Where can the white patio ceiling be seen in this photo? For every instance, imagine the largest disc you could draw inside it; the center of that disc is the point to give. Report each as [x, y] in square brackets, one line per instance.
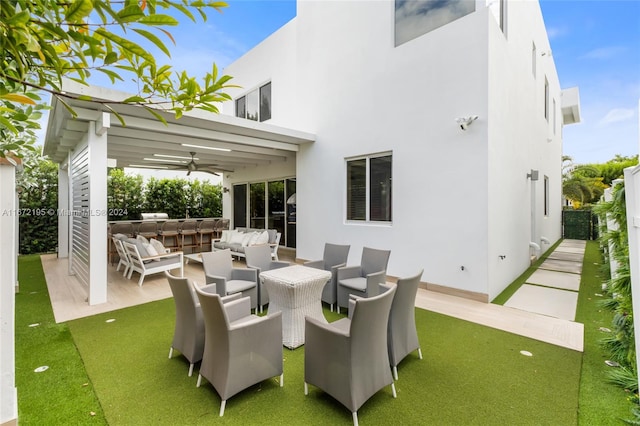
[250, 143]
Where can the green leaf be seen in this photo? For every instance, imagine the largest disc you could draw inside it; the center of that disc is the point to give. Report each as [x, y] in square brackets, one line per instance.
[156, 115]
[110, 58]
[78, 10]
[159, 20]
[135, 99]
[113, 76]
[126, 44]
[118, 116]
[154, 39]
[6, 123]
[130, 13]
[19, 18]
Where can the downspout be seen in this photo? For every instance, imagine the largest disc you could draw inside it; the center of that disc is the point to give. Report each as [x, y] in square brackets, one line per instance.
[535, 247]
[545, 240]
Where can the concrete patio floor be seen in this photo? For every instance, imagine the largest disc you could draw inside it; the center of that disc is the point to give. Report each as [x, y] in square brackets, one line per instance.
[69, 301]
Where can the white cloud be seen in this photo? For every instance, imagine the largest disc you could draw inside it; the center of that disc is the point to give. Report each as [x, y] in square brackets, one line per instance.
[617, 115]
[604, 52]
[555, 32]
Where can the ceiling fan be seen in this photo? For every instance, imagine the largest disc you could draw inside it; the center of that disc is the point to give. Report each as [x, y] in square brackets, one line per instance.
[192, 166]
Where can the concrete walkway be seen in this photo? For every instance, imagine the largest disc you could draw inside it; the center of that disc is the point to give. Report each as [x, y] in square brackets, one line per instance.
[542, 309]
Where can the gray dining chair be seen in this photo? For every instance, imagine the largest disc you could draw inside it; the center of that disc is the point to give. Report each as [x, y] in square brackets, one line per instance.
[240, 349]
[259, 258]
[363, 280]
[188, 334]
[334, 257]
[348, 358]
[218, 268]
[402, 336]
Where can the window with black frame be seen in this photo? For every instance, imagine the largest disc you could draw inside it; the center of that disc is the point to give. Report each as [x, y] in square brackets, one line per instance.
[369, 188]
[255, 105]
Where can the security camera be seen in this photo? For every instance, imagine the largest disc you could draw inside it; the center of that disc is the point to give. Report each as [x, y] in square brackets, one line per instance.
[465, 122]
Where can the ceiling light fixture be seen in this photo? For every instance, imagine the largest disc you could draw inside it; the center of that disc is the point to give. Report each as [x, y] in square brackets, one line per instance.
[164, 160]
[205, 147]
[174, 156]
[146, 166]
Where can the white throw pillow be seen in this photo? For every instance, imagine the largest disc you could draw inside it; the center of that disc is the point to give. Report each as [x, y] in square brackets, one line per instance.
[151, 250]
[236, 238]
[160, 249]
[261, 238]
[143, 239]
[247, 238]
[226, 235]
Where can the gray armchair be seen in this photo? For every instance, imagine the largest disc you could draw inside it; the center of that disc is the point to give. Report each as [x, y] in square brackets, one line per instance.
[218, 269]
[348, 358]
[259, 258]
[188, 334]
[240, 349]
[363, 280]
[334, 257]
[402, 336]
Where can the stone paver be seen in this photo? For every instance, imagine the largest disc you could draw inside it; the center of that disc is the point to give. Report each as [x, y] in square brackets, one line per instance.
[546, 301]
[562, 266]
[561, 280]
[561, 255]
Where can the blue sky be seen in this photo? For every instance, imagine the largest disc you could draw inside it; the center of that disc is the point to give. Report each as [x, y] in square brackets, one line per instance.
[595, 45]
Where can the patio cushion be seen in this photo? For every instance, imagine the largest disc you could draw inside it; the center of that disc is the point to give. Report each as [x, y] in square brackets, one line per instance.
[236, 238]
[262, 238]
[359, 283]
[234, 286]
[140, 246]
[160, 248]
[221, 245]
[272, 235]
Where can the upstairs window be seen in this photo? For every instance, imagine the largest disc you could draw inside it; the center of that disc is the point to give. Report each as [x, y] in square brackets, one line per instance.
[369, 189]
[255, 105]
[414, 18]
[546, 99]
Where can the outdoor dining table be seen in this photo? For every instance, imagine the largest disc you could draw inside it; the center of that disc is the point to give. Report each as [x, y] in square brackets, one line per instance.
[296, 291]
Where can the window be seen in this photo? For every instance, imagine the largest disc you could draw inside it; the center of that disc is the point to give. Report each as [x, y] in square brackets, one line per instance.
[533, 59]
[255, 105]
[414, 18]
[546, 99]
[369, 189]
[546, 196]
[554, 112]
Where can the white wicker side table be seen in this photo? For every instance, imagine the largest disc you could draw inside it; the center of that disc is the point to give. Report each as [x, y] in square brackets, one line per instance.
[296, 291]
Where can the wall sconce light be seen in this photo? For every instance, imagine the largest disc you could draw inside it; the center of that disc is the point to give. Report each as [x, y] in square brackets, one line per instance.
[225, 189]
[465, 122]
[533, 175]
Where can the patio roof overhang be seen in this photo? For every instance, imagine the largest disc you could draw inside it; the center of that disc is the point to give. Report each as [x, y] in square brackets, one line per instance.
[229, 142]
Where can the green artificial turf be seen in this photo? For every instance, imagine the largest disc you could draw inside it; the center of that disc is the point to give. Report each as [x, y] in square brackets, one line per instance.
[470, 375]
[601, 403]
[63, 394]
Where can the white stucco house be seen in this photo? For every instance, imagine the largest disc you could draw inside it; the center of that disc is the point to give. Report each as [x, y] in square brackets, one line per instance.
[431, 129]
[386, 87]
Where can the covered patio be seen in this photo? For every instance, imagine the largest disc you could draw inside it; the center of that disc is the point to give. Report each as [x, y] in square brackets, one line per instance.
[91, 137]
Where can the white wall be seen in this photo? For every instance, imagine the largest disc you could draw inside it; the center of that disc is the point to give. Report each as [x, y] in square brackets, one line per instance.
[8, 281]
[518, 143]
[457, 198]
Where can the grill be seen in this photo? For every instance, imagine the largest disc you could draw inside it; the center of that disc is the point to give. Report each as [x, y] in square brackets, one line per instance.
[154, 216]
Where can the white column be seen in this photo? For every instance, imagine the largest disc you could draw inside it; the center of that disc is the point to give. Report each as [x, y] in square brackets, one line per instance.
[8, 281]
[632, 198]
[63, 210]
[97, 139]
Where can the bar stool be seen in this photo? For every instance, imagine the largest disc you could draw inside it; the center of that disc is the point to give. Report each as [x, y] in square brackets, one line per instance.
[206, 227]
[188, 229]
[221, 225]
[148, 229]
[169, 230]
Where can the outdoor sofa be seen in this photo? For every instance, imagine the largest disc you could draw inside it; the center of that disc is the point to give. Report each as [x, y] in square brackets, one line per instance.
[238, 239]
